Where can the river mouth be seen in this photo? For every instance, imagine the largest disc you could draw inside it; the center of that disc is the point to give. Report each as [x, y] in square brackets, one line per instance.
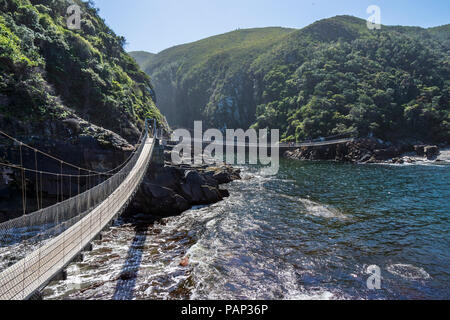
[310, 232]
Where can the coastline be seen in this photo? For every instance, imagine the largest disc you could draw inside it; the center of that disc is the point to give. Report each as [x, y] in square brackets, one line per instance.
[373, 151]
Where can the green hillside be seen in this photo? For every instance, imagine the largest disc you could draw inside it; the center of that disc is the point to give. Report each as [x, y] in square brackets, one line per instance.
[332, 77]
[202, 71]
[50, 73]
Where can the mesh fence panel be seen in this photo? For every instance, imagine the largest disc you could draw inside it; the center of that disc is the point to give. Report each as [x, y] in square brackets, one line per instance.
[53, 220]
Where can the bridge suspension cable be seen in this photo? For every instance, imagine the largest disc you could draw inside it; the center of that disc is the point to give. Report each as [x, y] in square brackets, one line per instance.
[106, 173]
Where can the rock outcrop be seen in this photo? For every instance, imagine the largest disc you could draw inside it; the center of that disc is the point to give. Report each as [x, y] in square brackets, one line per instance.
[171, 190]
[427, 151]
[365, 151]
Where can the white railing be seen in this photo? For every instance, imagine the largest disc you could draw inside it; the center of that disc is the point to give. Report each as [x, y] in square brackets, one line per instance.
[32, 273]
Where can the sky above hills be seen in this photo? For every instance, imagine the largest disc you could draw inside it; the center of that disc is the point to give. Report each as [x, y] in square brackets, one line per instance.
[154, 25]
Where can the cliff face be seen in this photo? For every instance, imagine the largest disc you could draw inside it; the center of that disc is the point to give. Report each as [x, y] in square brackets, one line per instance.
[332, 77]
[75, 94]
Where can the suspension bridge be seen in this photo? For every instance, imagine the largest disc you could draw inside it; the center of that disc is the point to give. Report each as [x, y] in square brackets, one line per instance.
[49, 239]
[192, 138]
[59, 233]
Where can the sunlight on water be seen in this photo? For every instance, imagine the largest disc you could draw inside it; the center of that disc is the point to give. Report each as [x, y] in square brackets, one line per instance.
[309, 233]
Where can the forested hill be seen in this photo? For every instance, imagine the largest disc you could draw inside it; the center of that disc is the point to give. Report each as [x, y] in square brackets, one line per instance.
[334, 76]
[50, 74]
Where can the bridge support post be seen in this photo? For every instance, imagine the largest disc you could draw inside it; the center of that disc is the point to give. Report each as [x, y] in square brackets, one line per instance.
[158, 154]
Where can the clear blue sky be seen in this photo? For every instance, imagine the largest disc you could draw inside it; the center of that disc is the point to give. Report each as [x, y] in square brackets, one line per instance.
[154, 25]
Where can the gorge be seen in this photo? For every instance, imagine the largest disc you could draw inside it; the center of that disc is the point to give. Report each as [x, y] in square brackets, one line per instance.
[197, 231]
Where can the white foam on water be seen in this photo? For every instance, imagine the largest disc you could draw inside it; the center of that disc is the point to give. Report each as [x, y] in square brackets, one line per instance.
[294, 291]
[444, 155]
[318, 295]
[320, 210]
[426, 163]
[409, 272]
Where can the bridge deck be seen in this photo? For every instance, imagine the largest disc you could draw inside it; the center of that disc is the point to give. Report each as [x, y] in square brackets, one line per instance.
[281, 145]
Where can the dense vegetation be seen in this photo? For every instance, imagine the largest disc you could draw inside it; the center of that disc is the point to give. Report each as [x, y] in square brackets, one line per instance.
[332, 77]
[194, 79]
[48, 71]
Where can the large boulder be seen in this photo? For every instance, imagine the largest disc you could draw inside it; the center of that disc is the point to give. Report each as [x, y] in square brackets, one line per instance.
[420, 150]
[168, 177]
[431, 152]
[170, 190]
[224, 174]
[159, 201]
[211, 195]
[192, 192]
[193, 178]
[386, 154]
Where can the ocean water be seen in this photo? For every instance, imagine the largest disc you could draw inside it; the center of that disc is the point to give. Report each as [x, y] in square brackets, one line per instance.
[311, 232]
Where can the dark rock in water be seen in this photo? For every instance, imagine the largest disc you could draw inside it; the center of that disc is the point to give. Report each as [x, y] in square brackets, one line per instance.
[171, 190]
[157, 191]
[224, 193]
[386, 154]
[181, 204]
[363, 151]
[192, 192]
[127, 275]
[168, 177]
[221, 177]
[431, 152]
[211, 195]
[194, 178]
[420, 150]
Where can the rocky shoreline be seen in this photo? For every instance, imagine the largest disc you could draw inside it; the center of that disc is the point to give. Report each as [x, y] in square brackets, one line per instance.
[368, 151]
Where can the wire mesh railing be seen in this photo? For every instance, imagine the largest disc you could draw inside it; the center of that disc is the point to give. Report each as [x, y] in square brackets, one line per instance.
[72, 225]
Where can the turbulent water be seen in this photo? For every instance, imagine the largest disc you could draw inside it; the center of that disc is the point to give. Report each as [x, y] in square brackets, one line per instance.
[310, 232]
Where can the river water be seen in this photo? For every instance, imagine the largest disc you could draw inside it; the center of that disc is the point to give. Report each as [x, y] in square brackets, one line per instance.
[311, 232]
